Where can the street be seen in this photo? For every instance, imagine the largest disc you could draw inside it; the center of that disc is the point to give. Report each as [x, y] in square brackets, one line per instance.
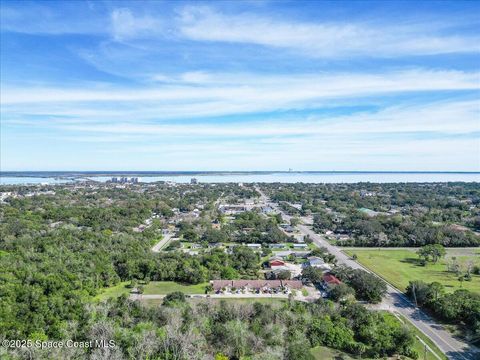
[396, 301]
[166, 238]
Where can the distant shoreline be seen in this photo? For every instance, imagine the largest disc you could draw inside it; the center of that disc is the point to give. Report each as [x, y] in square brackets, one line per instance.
[49, 174]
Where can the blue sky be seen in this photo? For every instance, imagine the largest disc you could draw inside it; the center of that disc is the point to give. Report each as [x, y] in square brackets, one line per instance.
[251, 85]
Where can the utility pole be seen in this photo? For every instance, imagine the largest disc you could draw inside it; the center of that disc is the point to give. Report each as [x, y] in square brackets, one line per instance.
[414, 295]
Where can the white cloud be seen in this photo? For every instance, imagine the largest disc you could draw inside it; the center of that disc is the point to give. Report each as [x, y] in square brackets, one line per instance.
[126, 25]
[328, 39]
[443, 119]
[251, 91]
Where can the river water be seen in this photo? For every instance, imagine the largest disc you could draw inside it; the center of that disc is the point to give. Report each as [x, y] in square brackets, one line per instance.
[293, 177]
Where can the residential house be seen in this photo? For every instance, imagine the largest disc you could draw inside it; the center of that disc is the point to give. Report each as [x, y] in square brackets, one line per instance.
[342, 237]
[300, 246]
[292, 285]
[330, 280]
[276, 262]
[280, 268]
[315, 261]
[287, 227]
[318, 263]
[283, 254]
[264, 286]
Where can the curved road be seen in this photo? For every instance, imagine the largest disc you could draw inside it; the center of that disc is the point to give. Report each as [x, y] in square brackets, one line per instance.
[396, 301]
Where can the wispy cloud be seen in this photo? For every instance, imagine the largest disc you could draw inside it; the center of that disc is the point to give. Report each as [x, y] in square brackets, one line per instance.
[442, 118]
[324, 39]
[261, 91]
[175, 85]
[126, 25]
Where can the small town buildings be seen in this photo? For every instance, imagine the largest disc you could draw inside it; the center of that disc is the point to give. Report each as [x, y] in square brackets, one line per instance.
[283, 254]
[267, 210]
[280, 268]
[318, 263]
[287, 253]
[315, 261]
[124, 180]
[255, 246]
[330, 280]
[258, 286]
[342, 237]
[276, 262]
[300, 246]
[276, 246]
[287, 227]
[299, 238]
[232, 209]
[292, 284]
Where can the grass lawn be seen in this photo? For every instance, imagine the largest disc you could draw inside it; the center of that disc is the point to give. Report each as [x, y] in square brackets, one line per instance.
[399, 266]
[154, 287]
[271, 301]
[325, 353]
[113, 291]
[166, 287]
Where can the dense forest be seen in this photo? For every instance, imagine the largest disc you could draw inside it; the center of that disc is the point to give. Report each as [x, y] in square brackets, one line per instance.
[181, 330]
[388, 214]
[57, 250]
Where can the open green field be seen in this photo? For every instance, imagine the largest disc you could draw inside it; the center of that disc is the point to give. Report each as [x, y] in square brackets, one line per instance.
[166, 287]
[399, 266]
[154, 287]
[272, 301]
[113, 291]
[325, 353]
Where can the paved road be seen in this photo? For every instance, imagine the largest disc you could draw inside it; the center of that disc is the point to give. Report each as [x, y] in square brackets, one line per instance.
[299, 296]
[166, 238]
[395, 301]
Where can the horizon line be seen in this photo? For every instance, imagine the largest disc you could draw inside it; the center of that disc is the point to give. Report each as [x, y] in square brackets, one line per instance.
[200, 172]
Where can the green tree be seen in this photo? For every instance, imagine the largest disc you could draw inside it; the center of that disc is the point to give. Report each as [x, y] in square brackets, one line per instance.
[341, 292]
[174, 298]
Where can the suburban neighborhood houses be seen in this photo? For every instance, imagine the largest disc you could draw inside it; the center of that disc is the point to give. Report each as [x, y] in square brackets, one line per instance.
[256, 286]
[218, 243]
